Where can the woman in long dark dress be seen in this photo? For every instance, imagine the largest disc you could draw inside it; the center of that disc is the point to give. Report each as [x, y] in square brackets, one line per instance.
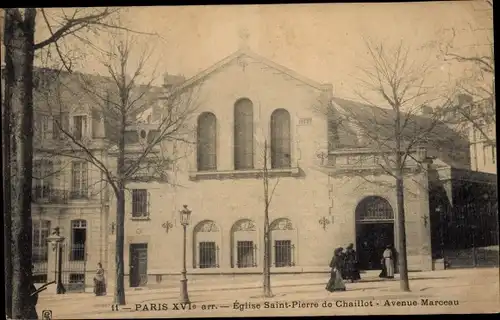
[351, 264]
[336, 264]
[99, 281]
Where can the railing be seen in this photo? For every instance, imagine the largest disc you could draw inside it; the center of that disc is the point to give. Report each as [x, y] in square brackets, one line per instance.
[47, 194]
[365, 159]
[209, 255]
[284, 253]
[246, 253]
[39, 254]
[77, 252]
[79, 194]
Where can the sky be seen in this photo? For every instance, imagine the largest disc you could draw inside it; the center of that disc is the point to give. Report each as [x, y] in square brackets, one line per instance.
[324, 42]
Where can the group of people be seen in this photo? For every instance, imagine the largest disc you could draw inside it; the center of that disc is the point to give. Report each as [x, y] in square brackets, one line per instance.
[344, 266]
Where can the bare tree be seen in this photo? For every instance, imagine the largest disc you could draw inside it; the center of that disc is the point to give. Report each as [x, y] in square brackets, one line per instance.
[389, 137]
[120, 98]
[268, 197]
[477, 81]
[21, 48]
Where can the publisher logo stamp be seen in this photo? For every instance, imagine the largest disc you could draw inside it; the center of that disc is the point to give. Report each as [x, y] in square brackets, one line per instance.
[47, 315]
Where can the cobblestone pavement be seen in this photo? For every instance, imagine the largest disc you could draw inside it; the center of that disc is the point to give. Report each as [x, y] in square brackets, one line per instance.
[476, 290]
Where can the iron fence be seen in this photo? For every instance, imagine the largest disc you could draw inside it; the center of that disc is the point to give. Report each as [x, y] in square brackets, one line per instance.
[470, 236]
[246, 252]
[74, 267]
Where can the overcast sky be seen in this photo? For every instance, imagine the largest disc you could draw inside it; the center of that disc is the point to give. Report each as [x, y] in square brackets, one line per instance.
[321, 41]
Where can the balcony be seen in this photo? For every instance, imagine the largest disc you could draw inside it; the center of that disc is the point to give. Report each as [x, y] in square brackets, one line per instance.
[50, 195]
[81, 194]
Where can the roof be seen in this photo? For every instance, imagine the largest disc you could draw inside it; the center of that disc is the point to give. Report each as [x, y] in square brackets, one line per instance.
[450, 146]
[246, 52]
[60, 90]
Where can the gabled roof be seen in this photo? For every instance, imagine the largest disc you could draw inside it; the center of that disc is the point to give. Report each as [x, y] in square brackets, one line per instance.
[242, 52]
[450, 146]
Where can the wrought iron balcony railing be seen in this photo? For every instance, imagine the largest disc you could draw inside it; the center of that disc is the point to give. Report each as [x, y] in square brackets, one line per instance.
[48, 194]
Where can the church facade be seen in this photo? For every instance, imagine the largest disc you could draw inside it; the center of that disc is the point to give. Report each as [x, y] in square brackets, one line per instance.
[259, 122]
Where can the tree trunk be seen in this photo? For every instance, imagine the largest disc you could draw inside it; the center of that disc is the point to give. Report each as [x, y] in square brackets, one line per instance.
[267, 252]
[6, 158]
[120, 235]
[402, 258]
[19, 40]
[267, 257]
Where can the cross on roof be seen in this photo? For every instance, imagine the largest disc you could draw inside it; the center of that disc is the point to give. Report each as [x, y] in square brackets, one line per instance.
[244, 35]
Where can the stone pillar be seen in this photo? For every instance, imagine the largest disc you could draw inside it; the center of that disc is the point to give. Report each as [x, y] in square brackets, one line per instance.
[51, 268]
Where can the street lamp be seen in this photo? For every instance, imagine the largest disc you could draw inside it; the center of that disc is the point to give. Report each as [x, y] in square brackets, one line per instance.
[56, 240]
[185, 217]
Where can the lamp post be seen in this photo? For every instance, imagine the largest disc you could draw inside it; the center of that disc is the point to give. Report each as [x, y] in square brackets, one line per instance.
[185, 216]
[56, 240]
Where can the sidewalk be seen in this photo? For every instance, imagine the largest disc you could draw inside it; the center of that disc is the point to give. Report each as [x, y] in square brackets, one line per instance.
[296, 281]
[475, 288]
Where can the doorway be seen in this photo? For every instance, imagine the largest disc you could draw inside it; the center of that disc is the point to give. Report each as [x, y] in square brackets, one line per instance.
[138, 264]
[374, 231]
[371, 241]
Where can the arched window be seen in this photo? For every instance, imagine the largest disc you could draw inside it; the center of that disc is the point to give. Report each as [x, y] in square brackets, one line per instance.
[280, 139]
[374, 208]
[244, 238]
[78, 239]
[206, 142]
[243, 134]
[206, 244]
[284, 238]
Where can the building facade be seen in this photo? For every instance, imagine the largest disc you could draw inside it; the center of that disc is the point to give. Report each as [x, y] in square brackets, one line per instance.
[258, 121]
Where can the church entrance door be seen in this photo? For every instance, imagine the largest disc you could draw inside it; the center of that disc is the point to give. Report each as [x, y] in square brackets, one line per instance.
[374, 231]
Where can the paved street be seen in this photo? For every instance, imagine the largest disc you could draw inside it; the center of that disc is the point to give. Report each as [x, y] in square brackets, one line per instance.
[476, 290]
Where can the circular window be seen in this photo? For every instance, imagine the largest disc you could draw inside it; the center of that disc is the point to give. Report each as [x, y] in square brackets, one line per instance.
[143, 134]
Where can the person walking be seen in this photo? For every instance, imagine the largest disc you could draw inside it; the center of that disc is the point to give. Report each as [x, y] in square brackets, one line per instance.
[336, 264]
[99, 281]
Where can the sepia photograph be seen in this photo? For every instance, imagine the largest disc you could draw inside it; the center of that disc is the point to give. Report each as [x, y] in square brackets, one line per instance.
[249, 160]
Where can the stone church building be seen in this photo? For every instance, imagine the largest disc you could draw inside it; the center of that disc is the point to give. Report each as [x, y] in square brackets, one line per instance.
[328, 189]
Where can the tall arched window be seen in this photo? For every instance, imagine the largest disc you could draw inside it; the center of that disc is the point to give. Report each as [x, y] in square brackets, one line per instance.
[280, 139]
[206, 244]
[206, 140]
[243, 134]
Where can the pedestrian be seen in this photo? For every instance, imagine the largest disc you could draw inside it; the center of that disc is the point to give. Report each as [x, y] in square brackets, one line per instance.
[336, 264]
[99, 281]
[351, 270]
[33, 298]
[388, 262]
